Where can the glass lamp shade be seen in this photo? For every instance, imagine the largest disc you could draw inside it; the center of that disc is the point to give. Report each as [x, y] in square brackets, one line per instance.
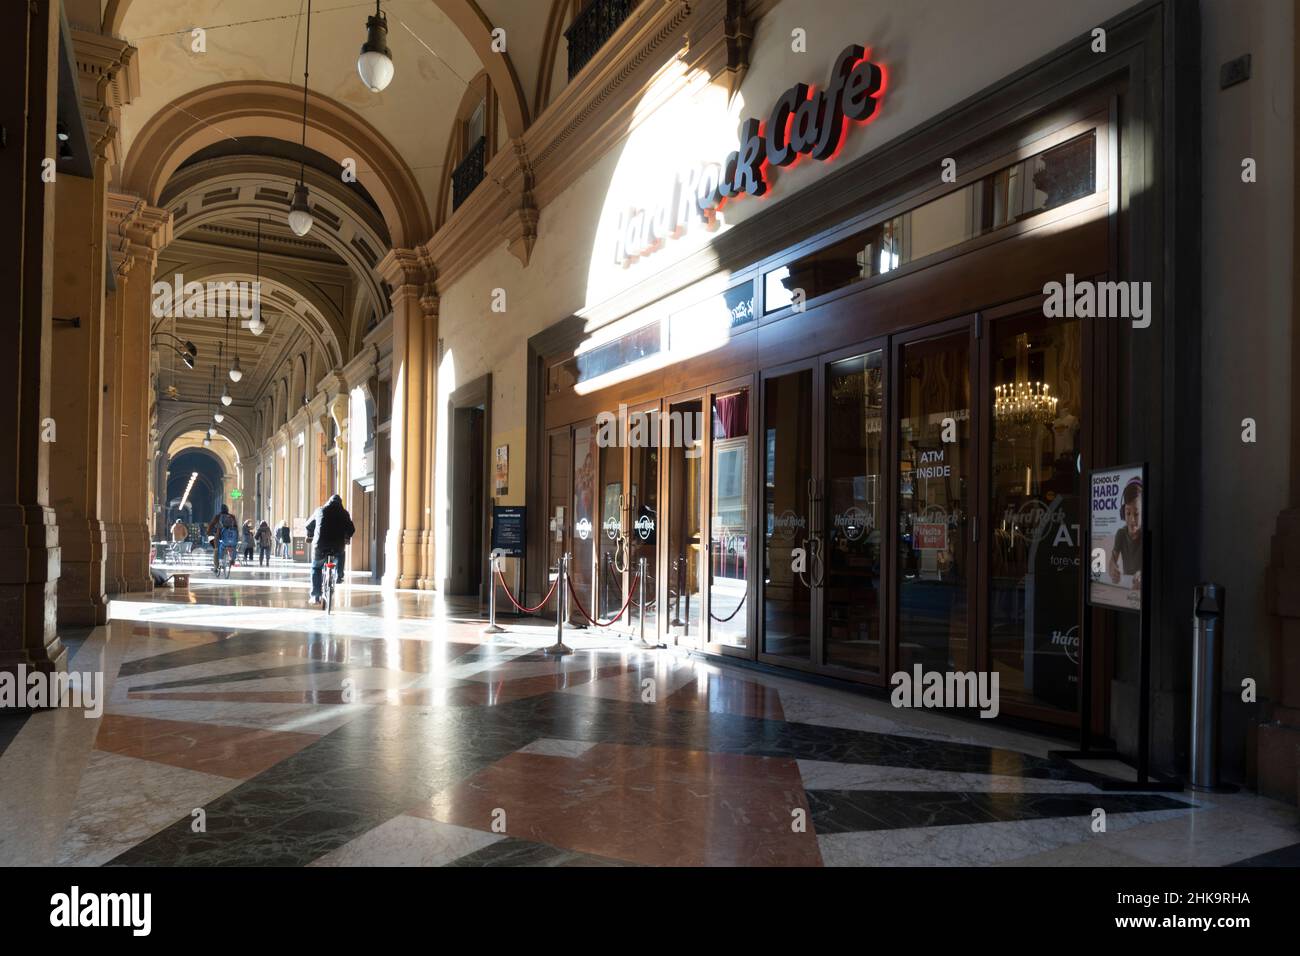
[375, 64]
[225, 396]
[376, 69]
[236, 373]
[300, 217]
[255, 324]
[212, 430]
[207, 442]
[218, 418]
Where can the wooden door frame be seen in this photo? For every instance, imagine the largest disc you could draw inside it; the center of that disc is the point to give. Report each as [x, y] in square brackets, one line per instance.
[471, 395]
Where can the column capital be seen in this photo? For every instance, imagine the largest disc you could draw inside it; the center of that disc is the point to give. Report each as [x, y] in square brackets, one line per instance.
[137, 231]
[406, 270]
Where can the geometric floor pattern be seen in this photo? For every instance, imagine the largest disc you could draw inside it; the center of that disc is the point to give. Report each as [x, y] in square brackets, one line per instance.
[243, 728]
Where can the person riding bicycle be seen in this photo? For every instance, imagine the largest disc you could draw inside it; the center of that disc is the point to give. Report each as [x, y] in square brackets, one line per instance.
[223, 531]
[332, 528]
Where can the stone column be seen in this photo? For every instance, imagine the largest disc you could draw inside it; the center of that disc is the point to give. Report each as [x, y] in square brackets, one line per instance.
[406, 274]
[29, 538]
[429, 304]
[146, 230]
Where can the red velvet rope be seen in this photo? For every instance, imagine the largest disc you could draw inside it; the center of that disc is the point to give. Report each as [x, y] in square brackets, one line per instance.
[614, 619]
[527, 610]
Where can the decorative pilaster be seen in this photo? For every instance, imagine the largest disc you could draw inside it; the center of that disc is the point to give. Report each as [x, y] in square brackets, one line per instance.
[146, 230]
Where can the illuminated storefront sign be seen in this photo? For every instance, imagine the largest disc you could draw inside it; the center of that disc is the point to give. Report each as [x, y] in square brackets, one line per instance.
[802, 123]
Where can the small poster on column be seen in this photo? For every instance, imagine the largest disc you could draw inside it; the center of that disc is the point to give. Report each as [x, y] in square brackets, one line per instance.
[502, 478]
[1116, 510]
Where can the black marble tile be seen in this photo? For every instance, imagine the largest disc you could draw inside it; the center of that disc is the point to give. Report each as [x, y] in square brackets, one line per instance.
[11, 722]
[515, 852]
[346, 784]
[1282, 856]
[288, 670]
[851, 811]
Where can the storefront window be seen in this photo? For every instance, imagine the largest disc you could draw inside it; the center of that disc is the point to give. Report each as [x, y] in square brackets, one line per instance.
[934, 476]
[1034, 185]
[1034, 551]
[730, 520]
[643, 509]
[855, 397]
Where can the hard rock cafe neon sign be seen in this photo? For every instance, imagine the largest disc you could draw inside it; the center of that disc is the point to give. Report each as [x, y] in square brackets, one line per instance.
[803, 122]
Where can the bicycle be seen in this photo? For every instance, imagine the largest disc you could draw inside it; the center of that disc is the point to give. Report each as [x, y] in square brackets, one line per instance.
[327, 584]
[227, 561]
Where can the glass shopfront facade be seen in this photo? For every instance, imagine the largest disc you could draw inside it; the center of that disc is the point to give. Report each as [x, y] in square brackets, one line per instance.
[869, 480]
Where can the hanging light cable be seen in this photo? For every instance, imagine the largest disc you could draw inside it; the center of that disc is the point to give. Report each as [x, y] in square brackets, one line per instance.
[375, 64]
[300, 217]
[236, 373]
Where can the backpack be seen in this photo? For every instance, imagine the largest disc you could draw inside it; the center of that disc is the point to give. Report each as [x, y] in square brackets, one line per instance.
[229, 532]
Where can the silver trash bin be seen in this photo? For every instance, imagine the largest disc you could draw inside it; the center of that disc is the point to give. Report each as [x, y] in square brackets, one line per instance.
[1207, 684]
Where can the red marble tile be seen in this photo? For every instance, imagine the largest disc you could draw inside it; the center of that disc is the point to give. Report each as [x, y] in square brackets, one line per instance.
[647, 805]
[729, 694]
[235, 752]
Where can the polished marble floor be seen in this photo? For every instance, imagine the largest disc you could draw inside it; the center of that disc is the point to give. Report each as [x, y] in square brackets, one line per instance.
[243, 728]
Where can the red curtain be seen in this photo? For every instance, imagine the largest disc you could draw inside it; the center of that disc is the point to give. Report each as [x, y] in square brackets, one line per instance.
[731, 415]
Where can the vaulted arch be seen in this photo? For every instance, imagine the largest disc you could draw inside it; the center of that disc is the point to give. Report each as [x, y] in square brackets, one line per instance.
[265, 109]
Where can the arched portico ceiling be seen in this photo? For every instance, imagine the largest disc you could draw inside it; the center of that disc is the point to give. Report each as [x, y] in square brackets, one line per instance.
[265, 109]
[283, 295]
[223, 449]
[249, 188]
[188, 426]
[473, 31]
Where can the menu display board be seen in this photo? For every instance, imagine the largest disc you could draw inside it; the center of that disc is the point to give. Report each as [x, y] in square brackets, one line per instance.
[1116, 511]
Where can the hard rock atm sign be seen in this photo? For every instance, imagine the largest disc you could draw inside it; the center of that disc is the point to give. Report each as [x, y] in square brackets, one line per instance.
[930, 536]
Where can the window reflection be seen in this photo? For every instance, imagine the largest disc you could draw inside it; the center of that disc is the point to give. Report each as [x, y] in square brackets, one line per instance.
[1034, 557]
[729, 524]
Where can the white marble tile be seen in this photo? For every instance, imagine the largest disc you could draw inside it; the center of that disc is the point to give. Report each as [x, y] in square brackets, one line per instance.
[300, 718]
[122, 800]
[553, 747]
[975, 844]
[1210, 837]
[409, 841]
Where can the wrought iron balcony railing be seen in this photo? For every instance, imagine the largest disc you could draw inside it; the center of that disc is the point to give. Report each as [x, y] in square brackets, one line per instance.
[590, 29]
[466, 176]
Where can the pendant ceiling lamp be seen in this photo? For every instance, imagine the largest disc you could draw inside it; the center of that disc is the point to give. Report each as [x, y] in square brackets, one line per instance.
[375, 64]
[300, 217]
[255, 324]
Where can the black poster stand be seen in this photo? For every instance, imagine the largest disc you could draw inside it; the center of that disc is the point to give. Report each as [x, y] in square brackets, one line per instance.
[1146, 781]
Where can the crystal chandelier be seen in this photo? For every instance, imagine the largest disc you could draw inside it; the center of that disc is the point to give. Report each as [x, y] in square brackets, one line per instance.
[1024, 404]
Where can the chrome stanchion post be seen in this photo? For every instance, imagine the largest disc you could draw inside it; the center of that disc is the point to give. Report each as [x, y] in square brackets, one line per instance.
[558, 648]
[494, 563]
[640, 586]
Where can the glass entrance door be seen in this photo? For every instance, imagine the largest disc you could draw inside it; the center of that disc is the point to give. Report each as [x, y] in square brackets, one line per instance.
[683, 434]
[855, 507]
[792, 567]
[935, 479]
[643, 514]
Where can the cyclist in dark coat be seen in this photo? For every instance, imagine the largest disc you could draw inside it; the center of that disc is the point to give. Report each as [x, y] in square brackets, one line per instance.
[331, 527]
